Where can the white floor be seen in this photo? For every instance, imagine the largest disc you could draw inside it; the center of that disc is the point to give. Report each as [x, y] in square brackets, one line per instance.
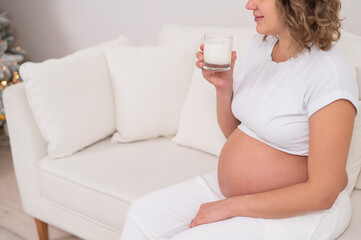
[14, 223]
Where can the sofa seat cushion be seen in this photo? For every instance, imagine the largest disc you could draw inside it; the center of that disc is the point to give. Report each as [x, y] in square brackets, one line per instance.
[101, 181]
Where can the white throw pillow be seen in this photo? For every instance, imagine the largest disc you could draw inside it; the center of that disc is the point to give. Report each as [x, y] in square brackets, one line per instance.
[358, 182]
[350, 46]
[150, 84]
[358, 71]
[71, 98]
[354, 157]
[198, 126]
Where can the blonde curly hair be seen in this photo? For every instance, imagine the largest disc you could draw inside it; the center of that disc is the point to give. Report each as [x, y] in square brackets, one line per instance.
[311, 22]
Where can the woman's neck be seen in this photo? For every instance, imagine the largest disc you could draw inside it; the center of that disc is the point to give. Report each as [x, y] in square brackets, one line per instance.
[283, 49]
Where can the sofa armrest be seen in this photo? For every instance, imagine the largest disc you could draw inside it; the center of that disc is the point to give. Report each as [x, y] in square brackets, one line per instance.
[27, 144]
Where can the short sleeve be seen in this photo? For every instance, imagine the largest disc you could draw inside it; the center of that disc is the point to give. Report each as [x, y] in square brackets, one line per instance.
[328, 84]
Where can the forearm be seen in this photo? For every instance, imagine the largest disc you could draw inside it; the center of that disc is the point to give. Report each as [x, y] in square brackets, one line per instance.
[225, 117]
[279, 203]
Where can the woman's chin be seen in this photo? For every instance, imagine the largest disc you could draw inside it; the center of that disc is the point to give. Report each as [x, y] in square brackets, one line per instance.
[263, 31]
[259, 29]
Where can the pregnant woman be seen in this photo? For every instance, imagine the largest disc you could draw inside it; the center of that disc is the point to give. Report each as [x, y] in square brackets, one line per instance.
[288, 117]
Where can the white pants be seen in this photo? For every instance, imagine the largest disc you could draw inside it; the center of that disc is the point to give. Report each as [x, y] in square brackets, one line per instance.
[167, 213]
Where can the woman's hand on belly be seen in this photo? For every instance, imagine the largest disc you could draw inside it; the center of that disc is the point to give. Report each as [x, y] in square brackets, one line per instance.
[247, 166]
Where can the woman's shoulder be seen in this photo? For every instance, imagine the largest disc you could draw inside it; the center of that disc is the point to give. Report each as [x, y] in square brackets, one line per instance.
[332, 70]
[330, 78]
[333, 55]
[331, 61]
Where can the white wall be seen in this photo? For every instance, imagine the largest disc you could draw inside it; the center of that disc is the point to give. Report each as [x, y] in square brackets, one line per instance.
[54, 28]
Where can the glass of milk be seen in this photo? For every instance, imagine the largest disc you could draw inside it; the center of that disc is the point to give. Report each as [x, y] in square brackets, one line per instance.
[217, 51]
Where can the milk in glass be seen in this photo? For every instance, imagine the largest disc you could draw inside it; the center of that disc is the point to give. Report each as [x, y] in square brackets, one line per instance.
[217, 51]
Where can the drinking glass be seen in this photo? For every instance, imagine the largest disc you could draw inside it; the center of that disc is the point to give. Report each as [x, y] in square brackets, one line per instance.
[217, 51]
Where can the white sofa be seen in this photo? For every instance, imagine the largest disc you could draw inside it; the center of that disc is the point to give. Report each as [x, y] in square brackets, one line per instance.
[84, 182]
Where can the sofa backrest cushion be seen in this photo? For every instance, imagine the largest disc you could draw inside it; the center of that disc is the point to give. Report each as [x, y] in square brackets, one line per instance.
[71, 98]
[150, 84]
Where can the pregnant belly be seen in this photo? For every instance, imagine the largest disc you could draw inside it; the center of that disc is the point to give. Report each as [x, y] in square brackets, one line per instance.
[247, 166]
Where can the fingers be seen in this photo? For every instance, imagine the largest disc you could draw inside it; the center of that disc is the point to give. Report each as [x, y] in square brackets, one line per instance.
[200, 57]
[191, 224]
[199, 64]
[234, 57]
[199, 54]
[195, 222]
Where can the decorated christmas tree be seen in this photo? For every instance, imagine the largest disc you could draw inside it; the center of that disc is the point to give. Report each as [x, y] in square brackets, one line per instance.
[10, 60]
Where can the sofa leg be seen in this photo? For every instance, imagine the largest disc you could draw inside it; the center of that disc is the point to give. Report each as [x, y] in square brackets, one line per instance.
[42, 229]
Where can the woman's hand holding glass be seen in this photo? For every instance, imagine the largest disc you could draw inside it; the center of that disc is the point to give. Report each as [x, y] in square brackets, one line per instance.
[221, 80]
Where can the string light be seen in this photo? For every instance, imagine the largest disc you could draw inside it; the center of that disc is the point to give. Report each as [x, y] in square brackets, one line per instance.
[8, 64]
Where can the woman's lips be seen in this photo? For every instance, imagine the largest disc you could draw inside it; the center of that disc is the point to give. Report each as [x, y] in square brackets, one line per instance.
[258, 18]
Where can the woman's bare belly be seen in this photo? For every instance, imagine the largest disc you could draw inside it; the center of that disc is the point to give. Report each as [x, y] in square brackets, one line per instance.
[247, 166]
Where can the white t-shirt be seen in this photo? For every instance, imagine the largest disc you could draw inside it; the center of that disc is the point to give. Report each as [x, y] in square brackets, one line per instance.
[274, 101]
